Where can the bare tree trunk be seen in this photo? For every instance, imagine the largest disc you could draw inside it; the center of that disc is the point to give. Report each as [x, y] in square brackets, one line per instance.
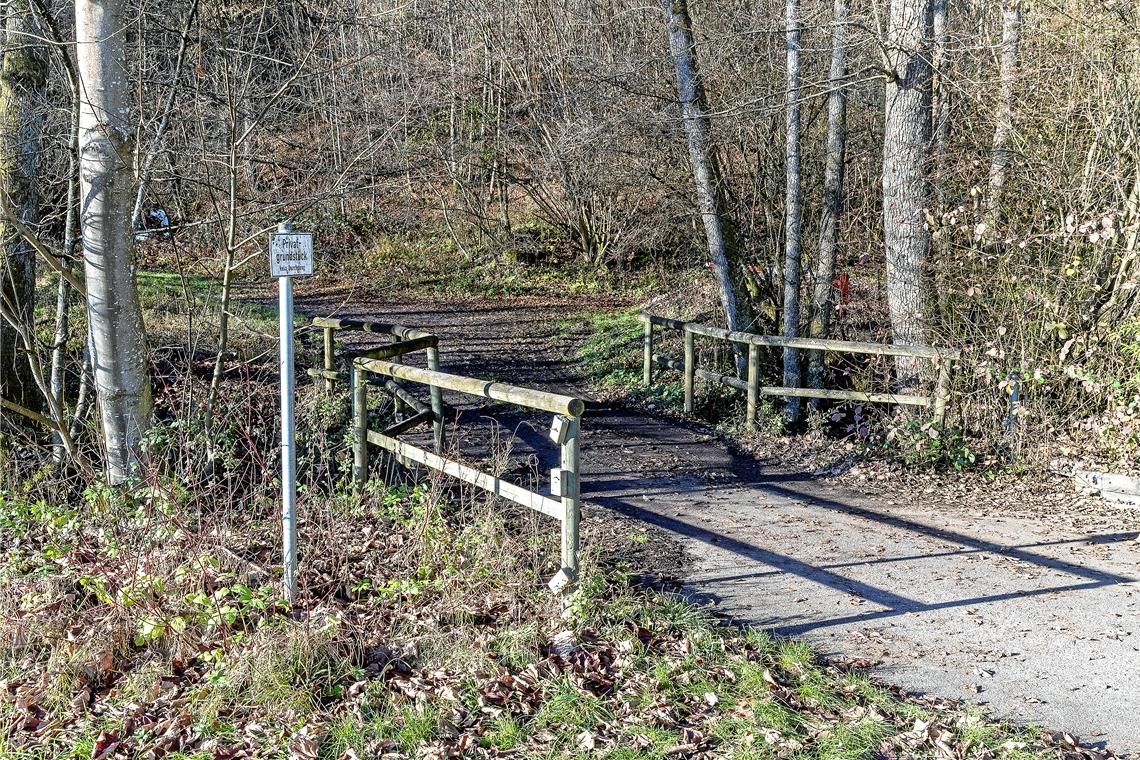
[70, 244]
[793, 209]
[118, 341]
[1002, 155]
[823, 297]
[906, 137]
[941, 100]
[698, 129]
[23, 79]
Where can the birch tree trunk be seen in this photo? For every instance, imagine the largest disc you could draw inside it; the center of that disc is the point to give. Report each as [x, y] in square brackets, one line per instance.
[823, 296]
[906, 137]
[23, 78]
[117, 339]
[793, 208]
[698, 130]
[1002, 156]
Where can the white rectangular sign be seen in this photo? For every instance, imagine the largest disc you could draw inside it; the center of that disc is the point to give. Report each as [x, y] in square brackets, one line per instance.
[291, 254]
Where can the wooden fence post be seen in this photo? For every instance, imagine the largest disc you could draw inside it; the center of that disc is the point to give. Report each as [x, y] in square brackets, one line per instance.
[399, 408]
[647, 363]
[330, 358]
[436, 400]
[571, 502]
[359, 425]
[753, 384]
[942, 391]
[690, 369]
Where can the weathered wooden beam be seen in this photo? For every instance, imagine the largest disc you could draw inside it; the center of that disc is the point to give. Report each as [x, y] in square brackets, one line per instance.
[330, 359]
[571, 501]
[359, 428]
[399, 348]
[436, 401]
[716, 377]
[673, 324]
[753, 385]
[356, 325]
[776, 341]
[689, 370]
[511, 394]
[401, 393]
[941, 393]
[414, 421]
[501, 488]
[647, 362]
[882, 398]
[326, 375]
[836, 346]
[886, 398]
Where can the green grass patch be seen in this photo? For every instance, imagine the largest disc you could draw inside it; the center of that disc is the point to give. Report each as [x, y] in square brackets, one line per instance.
[448, 648]
[612, 357]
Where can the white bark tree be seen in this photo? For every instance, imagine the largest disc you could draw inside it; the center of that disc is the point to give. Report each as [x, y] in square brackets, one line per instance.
[793, 208]
[117, 339]
[906, 140]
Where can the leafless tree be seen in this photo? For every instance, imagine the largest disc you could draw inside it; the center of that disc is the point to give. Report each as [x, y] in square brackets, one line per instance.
[823, 300]
[793, 207]
[1002, 154]
[698, 128]
[119, 357]
[906, 139]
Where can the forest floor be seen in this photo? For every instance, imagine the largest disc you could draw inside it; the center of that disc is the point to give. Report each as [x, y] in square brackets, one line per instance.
[1001, 597]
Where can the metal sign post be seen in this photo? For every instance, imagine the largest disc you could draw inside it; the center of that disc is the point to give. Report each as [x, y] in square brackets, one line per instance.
[290, 255]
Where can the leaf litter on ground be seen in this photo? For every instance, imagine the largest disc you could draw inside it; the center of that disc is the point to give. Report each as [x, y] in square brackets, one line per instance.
[429, 633]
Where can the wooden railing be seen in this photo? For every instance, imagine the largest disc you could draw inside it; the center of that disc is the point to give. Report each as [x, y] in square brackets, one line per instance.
[751, 385]
[564, 503]
[383, 367]
[409, 340]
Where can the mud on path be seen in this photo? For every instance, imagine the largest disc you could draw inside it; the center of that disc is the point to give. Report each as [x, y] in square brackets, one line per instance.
[1035, 621]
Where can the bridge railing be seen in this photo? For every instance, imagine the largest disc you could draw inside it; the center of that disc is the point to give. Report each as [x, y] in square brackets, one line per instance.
[408, 340]
[564, 501]
[941, 357]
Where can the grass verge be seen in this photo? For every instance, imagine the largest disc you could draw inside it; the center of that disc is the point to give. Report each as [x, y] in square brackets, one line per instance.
[424, 630]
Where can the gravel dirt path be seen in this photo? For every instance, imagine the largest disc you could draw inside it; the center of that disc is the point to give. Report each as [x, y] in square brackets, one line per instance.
[1037, 622]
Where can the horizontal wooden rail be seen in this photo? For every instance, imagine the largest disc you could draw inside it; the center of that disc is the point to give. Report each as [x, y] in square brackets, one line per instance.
[399, 348]
[817, 344]
[716, 377]
[412, 422]
[676, 324]
[941, 357]
[382, 328]
[880, 398]
[765, 390]
[565, 502]
[511, 394]
[497, 486]
[326, 374]
[411, 339]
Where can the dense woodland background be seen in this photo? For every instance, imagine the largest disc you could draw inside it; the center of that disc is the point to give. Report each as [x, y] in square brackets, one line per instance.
[456, 142]
[963, 174]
